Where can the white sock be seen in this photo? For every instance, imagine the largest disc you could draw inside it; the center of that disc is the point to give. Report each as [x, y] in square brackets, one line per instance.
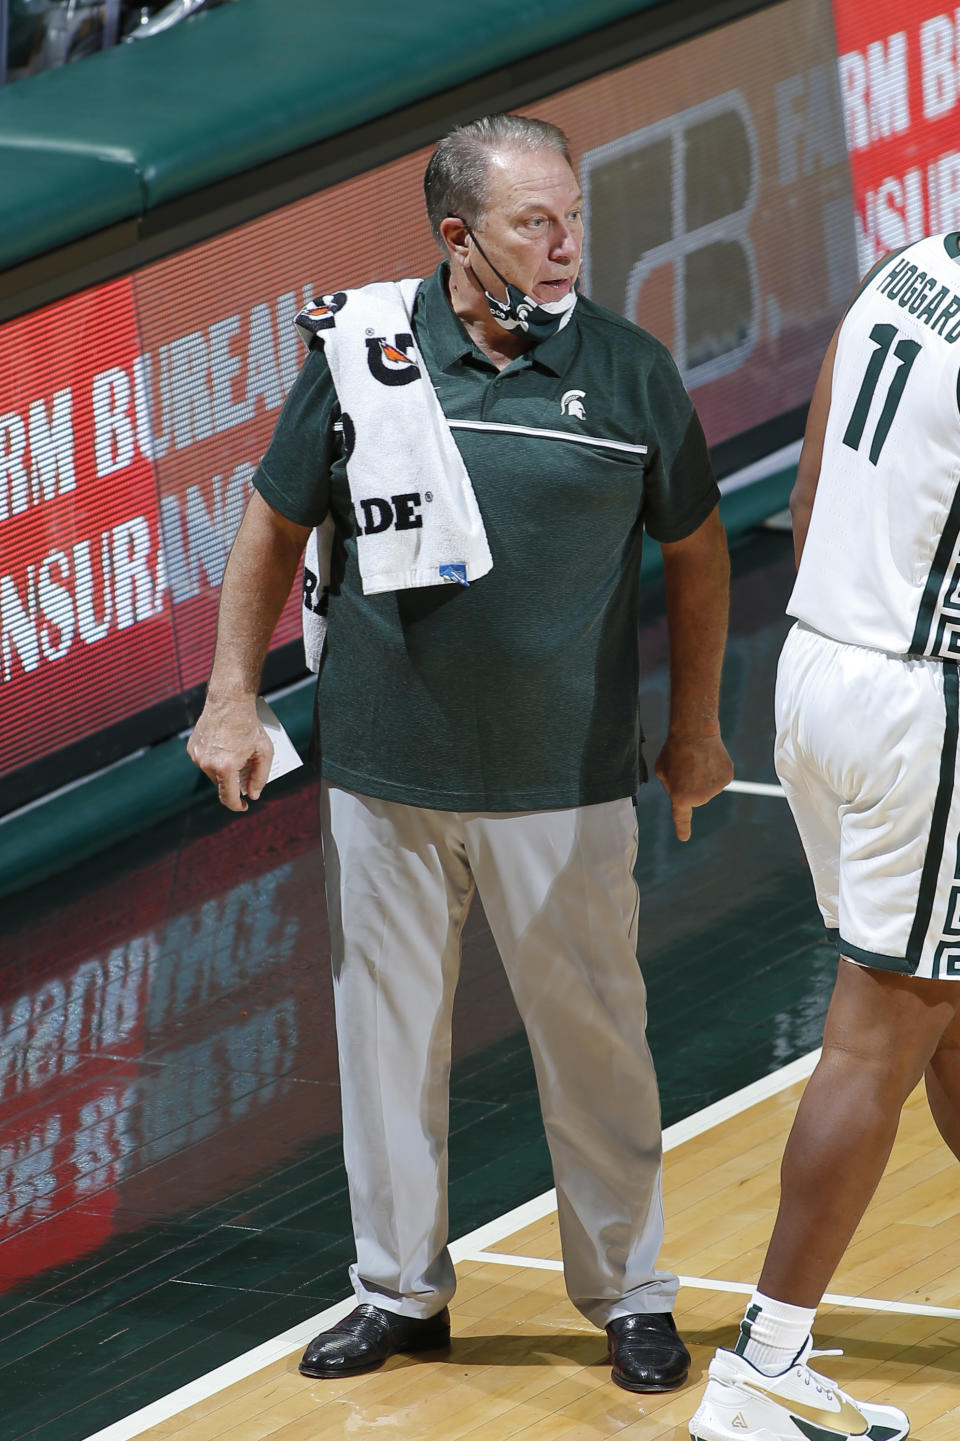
[772, 1333]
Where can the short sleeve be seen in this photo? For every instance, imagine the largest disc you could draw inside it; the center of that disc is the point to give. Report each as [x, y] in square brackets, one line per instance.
[294, 474]
[679, 485]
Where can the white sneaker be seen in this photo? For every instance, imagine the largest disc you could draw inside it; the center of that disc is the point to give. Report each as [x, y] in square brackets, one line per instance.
[742, 1404]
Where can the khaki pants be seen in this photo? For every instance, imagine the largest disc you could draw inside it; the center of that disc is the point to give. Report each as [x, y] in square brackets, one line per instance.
[558, 890]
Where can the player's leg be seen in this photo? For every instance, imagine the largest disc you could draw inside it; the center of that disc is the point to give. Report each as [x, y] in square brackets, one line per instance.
[887, 770]
[882, 1031]
[562, 902]
[398, 890]
[942, 1079]
[849, 771]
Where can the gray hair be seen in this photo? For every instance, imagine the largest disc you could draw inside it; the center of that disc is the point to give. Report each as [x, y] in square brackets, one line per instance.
[457, 178]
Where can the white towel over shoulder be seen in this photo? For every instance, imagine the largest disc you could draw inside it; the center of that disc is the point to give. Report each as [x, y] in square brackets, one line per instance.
[417, 516]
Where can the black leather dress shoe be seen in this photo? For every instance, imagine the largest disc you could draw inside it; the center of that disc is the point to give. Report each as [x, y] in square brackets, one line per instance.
[363, 1340]
[647, 1353]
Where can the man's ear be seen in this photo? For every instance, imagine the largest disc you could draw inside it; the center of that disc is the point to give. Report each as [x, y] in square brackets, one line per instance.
[455, 237]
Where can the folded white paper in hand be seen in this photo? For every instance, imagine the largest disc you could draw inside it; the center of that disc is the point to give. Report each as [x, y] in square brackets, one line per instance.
[285, 757]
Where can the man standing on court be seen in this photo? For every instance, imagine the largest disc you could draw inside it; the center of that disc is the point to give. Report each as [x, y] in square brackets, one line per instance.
[485, 449]
[867, 724]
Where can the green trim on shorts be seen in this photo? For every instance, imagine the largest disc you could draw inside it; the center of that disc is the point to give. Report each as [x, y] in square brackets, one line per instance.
[938, 825]
[873, 959]
[927, 632]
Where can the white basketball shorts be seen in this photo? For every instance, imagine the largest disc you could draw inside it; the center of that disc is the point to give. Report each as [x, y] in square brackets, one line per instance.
[866, 752]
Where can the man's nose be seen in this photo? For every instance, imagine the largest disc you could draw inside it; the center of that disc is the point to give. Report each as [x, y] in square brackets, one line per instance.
[566, 243]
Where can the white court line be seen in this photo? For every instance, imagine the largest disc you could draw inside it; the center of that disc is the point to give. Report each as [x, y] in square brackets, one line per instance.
[298, 1336]
[755, 788]
[741, 1288]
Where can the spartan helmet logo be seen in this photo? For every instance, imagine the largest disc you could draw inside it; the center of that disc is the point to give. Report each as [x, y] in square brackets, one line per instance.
[571, 403]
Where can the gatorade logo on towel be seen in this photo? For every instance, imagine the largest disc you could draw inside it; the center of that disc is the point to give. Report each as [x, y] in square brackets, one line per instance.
[388, 363]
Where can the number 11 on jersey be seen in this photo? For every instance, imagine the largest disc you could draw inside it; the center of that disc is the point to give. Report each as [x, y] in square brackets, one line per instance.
[906, 352]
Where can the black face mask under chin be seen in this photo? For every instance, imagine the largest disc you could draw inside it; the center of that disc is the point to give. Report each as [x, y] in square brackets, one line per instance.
[523, 312]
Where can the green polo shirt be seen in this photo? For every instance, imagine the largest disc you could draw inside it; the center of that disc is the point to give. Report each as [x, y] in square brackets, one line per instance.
[518, 692]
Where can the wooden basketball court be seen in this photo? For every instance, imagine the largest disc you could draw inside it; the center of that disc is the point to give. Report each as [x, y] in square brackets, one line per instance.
[525, 1364]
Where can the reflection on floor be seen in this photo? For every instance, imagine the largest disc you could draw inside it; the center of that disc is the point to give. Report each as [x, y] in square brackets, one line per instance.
[171, 1183]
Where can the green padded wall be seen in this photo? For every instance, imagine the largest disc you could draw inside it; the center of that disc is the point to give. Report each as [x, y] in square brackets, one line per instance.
[119, 133]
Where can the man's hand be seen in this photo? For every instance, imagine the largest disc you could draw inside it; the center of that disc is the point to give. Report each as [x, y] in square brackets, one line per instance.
[231, 747]
[692, 770]
[228, 743]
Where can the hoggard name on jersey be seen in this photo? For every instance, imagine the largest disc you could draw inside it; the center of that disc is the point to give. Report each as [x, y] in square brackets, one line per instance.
[924, 296]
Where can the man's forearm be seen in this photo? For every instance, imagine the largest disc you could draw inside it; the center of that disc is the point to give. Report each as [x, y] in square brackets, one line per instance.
[228, 742]
[257, 581]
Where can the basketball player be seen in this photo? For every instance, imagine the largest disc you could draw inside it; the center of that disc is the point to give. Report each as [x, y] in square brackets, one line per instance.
[867, 721]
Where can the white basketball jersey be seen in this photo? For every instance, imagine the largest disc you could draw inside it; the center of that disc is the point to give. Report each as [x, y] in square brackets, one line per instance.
[881, 562]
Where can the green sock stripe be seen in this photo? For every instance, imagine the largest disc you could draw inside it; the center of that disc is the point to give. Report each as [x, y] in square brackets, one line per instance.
[746, 1327]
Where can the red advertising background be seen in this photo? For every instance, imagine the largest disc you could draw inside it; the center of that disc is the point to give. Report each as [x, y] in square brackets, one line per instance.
[132, 416]
[86, 631]
[899, 71]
